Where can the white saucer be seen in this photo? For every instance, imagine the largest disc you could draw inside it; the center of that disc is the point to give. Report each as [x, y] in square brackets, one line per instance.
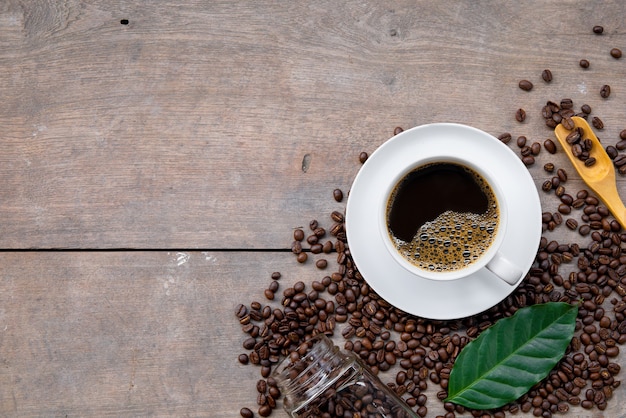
[417, 295]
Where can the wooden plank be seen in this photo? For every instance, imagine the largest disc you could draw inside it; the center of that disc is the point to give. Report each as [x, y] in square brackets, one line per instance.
[142, 333]
[171, 131]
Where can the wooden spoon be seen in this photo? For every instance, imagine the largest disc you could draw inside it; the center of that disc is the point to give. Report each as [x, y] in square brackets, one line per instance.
[600, 177]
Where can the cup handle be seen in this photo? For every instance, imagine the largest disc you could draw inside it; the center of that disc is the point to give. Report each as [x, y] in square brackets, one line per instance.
[504, 269]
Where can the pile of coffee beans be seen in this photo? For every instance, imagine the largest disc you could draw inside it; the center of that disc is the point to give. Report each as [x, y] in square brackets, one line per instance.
[414, 356]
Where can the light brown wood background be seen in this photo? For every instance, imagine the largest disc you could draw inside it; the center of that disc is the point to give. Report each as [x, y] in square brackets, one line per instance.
[151, 172]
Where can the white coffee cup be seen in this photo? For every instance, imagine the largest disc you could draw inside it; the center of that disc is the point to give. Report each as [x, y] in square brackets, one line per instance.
[491, 258]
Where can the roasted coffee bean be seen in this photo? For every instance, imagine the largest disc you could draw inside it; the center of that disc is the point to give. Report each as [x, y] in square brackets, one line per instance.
[528, 160]
[612, 151]
[565, 209]
[535, 148]
[620, 160]
[521, 141]
[571, 224]
[546, 186]
[338, 195]
[566, 103]
[583, 63]
[316, 248]
[573, 137]
[505, 137]
[559, 190]
[598, 30]
[548, 167]
[550, 146]
[616, 53]
[568, 123]
[302, 257]
[397, 130]
[562, 175]
[605, 91]
[321, 263]
[597, 123]
[265, 410]
[525, 85]
[590, 161]
[298, 234]
[363, 156]
[546, 75]
[246, 413]
[586, 109]
[621, 145]
[520, 115]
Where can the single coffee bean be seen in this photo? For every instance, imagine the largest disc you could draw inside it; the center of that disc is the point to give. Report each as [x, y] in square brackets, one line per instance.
[521, 141]
[321, 264]
[612, 151]
[546, 186]
[265, 410]
[528, 160]
[572, 224]
[621, 145]
[565, 209]
[397, 130]
[566, 103]
[546, 75]
[622, 134]
[562, 175]
[505, 137]
[549, 167]
[586, 108]
[573, 137]
[598, 30]
[363, 156]
[559, 191]
[316, 248]
[605, 91]
[535, 148]
[525, 85]
[298, 234]
[590, 161]
[568, 123]
[338, 195]
[302, 257]
[584, 63]
[520, 115]
[616, 53]
[550, 146]
[557, 117]
[597, 123]
[246, 413]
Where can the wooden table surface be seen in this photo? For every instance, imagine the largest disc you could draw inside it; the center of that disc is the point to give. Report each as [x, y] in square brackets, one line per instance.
[155, 157]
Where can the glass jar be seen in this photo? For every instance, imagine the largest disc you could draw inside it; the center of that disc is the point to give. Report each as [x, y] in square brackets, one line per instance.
[319, 380]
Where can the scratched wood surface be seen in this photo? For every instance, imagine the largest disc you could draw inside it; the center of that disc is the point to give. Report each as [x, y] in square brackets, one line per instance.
[147, 137]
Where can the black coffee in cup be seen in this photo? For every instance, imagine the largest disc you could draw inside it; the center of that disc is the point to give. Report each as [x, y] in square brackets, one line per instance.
[442, 216]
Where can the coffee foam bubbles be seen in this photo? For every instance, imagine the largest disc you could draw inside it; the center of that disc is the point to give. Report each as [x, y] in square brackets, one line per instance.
[451, 241]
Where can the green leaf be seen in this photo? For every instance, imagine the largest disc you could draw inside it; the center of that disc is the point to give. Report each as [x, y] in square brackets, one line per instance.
[507, 359]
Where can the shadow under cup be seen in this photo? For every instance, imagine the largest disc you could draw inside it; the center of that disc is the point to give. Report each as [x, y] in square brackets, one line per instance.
[459, 215]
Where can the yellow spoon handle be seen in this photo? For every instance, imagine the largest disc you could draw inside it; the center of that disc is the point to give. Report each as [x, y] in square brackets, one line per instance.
[608, 193]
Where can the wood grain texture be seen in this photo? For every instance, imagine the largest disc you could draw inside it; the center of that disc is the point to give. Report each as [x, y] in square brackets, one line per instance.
[169, 132]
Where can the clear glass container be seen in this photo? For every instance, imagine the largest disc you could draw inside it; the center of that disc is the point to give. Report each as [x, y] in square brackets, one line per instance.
[319, 380]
